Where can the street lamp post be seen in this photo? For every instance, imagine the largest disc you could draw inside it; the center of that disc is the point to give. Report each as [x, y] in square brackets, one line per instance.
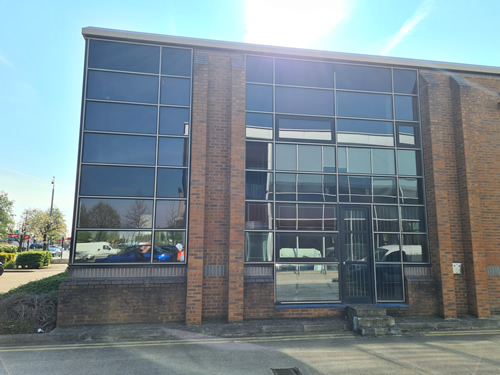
[52, 201]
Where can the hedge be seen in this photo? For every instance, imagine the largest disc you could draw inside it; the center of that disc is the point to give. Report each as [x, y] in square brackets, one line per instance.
[33, 259]
[7, 257]
[5, 248]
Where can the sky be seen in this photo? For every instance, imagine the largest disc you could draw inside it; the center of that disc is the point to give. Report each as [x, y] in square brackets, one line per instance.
[42, 54]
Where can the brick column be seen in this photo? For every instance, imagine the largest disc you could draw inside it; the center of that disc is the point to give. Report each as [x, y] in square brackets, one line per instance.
[470, 143]
[196, 243]
[237, 192]
[440, 179]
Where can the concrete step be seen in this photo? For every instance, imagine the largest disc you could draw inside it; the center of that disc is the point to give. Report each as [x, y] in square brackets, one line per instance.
[379, 331]
[386, 321]
[365, 311]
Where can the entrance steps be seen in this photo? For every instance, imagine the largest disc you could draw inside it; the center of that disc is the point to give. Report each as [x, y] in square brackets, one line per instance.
[371, 320]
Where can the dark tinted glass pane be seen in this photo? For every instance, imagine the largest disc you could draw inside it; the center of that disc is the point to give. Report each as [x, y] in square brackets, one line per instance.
[310, 217]
[258, 185]
[364, 78]
[328, 159]
[383, 161]
[408, 163]
[258, 247]
[173, 152]
[259, 98]
[368, 132]
[259, 69]
[258, 215]
[385, 219]
[387, 247]
[406, 107]
[357, 104]
[171, 214]
[115, 213]
[405, 81]
[410, 190]
[286, 187]
[384, 190]
[117, 181]
[389, 282]
[355, 189]
[415, 248]
[330, 188]
[286, 216]
[122, 87]
[304, 73]
[113, 247]
[176, 61]
[259, 125]
[174, 121]
[175, 91]
[123, 56]
[407, 134]
[286, 157]
[172, 183]
[310, 187]
[117, 117]
[259, 155]
[118, 149]
[310, 158]
[305, 128]
[330, 220]
[342, 159]
[304, 101]
[413, 219]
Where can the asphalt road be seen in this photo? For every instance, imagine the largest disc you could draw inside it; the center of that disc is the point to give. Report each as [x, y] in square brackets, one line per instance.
[470, 352]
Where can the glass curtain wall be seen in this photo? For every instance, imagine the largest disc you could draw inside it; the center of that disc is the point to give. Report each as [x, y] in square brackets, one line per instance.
[133, 173]
[320, 135]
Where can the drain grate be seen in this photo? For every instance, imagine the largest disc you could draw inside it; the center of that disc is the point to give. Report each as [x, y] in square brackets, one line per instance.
[286, 371]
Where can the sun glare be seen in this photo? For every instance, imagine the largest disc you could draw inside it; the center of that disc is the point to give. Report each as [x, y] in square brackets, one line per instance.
[291, 23]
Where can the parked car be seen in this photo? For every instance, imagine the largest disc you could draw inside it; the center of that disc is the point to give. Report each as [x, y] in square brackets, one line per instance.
[36, 246]
[133, 254]
[1, 268]
[55, 250]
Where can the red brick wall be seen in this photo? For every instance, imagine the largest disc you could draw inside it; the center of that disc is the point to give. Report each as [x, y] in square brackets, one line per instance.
[120, 302]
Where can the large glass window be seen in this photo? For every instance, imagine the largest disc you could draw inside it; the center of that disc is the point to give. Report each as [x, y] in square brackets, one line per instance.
[336, 135]
[122, 87]
[118, 117]
[119, 149]
[134, 161]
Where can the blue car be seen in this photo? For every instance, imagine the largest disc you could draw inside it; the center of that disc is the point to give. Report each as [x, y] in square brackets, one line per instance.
[134, 254]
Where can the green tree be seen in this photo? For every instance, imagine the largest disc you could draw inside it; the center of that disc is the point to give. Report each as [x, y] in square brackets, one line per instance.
[42, 225]
[6, 214]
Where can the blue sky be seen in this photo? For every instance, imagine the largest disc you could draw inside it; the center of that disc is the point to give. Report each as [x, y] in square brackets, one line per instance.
[41, 59]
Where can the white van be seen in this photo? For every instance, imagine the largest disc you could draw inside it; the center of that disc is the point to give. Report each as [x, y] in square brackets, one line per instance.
[94, 250]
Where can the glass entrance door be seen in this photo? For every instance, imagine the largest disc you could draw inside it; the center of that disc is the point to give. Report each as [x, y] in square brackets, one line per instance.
[356, 259]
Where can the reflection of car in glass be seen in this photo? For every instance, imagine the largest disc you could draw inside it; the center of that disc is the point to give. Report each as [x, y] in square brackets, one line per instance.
[55, 251]
[390, 253]
[134, 254]
[91, 250]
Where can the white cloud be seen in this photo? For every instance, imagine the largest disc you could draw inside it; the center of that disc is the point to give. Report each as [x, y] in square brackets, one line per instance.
[291, 23]
[422, 12]
[6, 62]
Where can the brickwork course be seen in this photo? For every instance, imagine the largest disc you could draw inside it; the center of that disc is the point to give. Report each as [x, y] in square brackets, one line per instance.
[460, 126]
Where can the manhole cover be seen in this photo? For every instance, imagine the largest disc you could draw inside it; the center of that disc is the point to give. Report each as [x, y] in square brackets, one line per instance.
[286, 371]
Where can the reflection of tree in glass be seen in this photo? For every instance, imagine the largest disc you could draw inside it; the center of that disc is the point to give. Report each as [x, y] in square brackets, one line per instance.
[137, 215]
[173, 215]
[102, 215]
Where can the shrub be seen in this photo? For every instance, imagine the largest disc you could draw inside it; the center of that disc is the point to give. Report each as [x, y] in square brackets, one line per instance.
[5, 248]
[7, 257]
[34, 259]
[31, 306]
[10, 265]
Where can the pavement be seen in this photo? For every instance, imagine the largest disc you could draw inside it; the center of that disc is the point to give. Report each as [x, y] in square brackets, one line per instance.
[254, 328]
